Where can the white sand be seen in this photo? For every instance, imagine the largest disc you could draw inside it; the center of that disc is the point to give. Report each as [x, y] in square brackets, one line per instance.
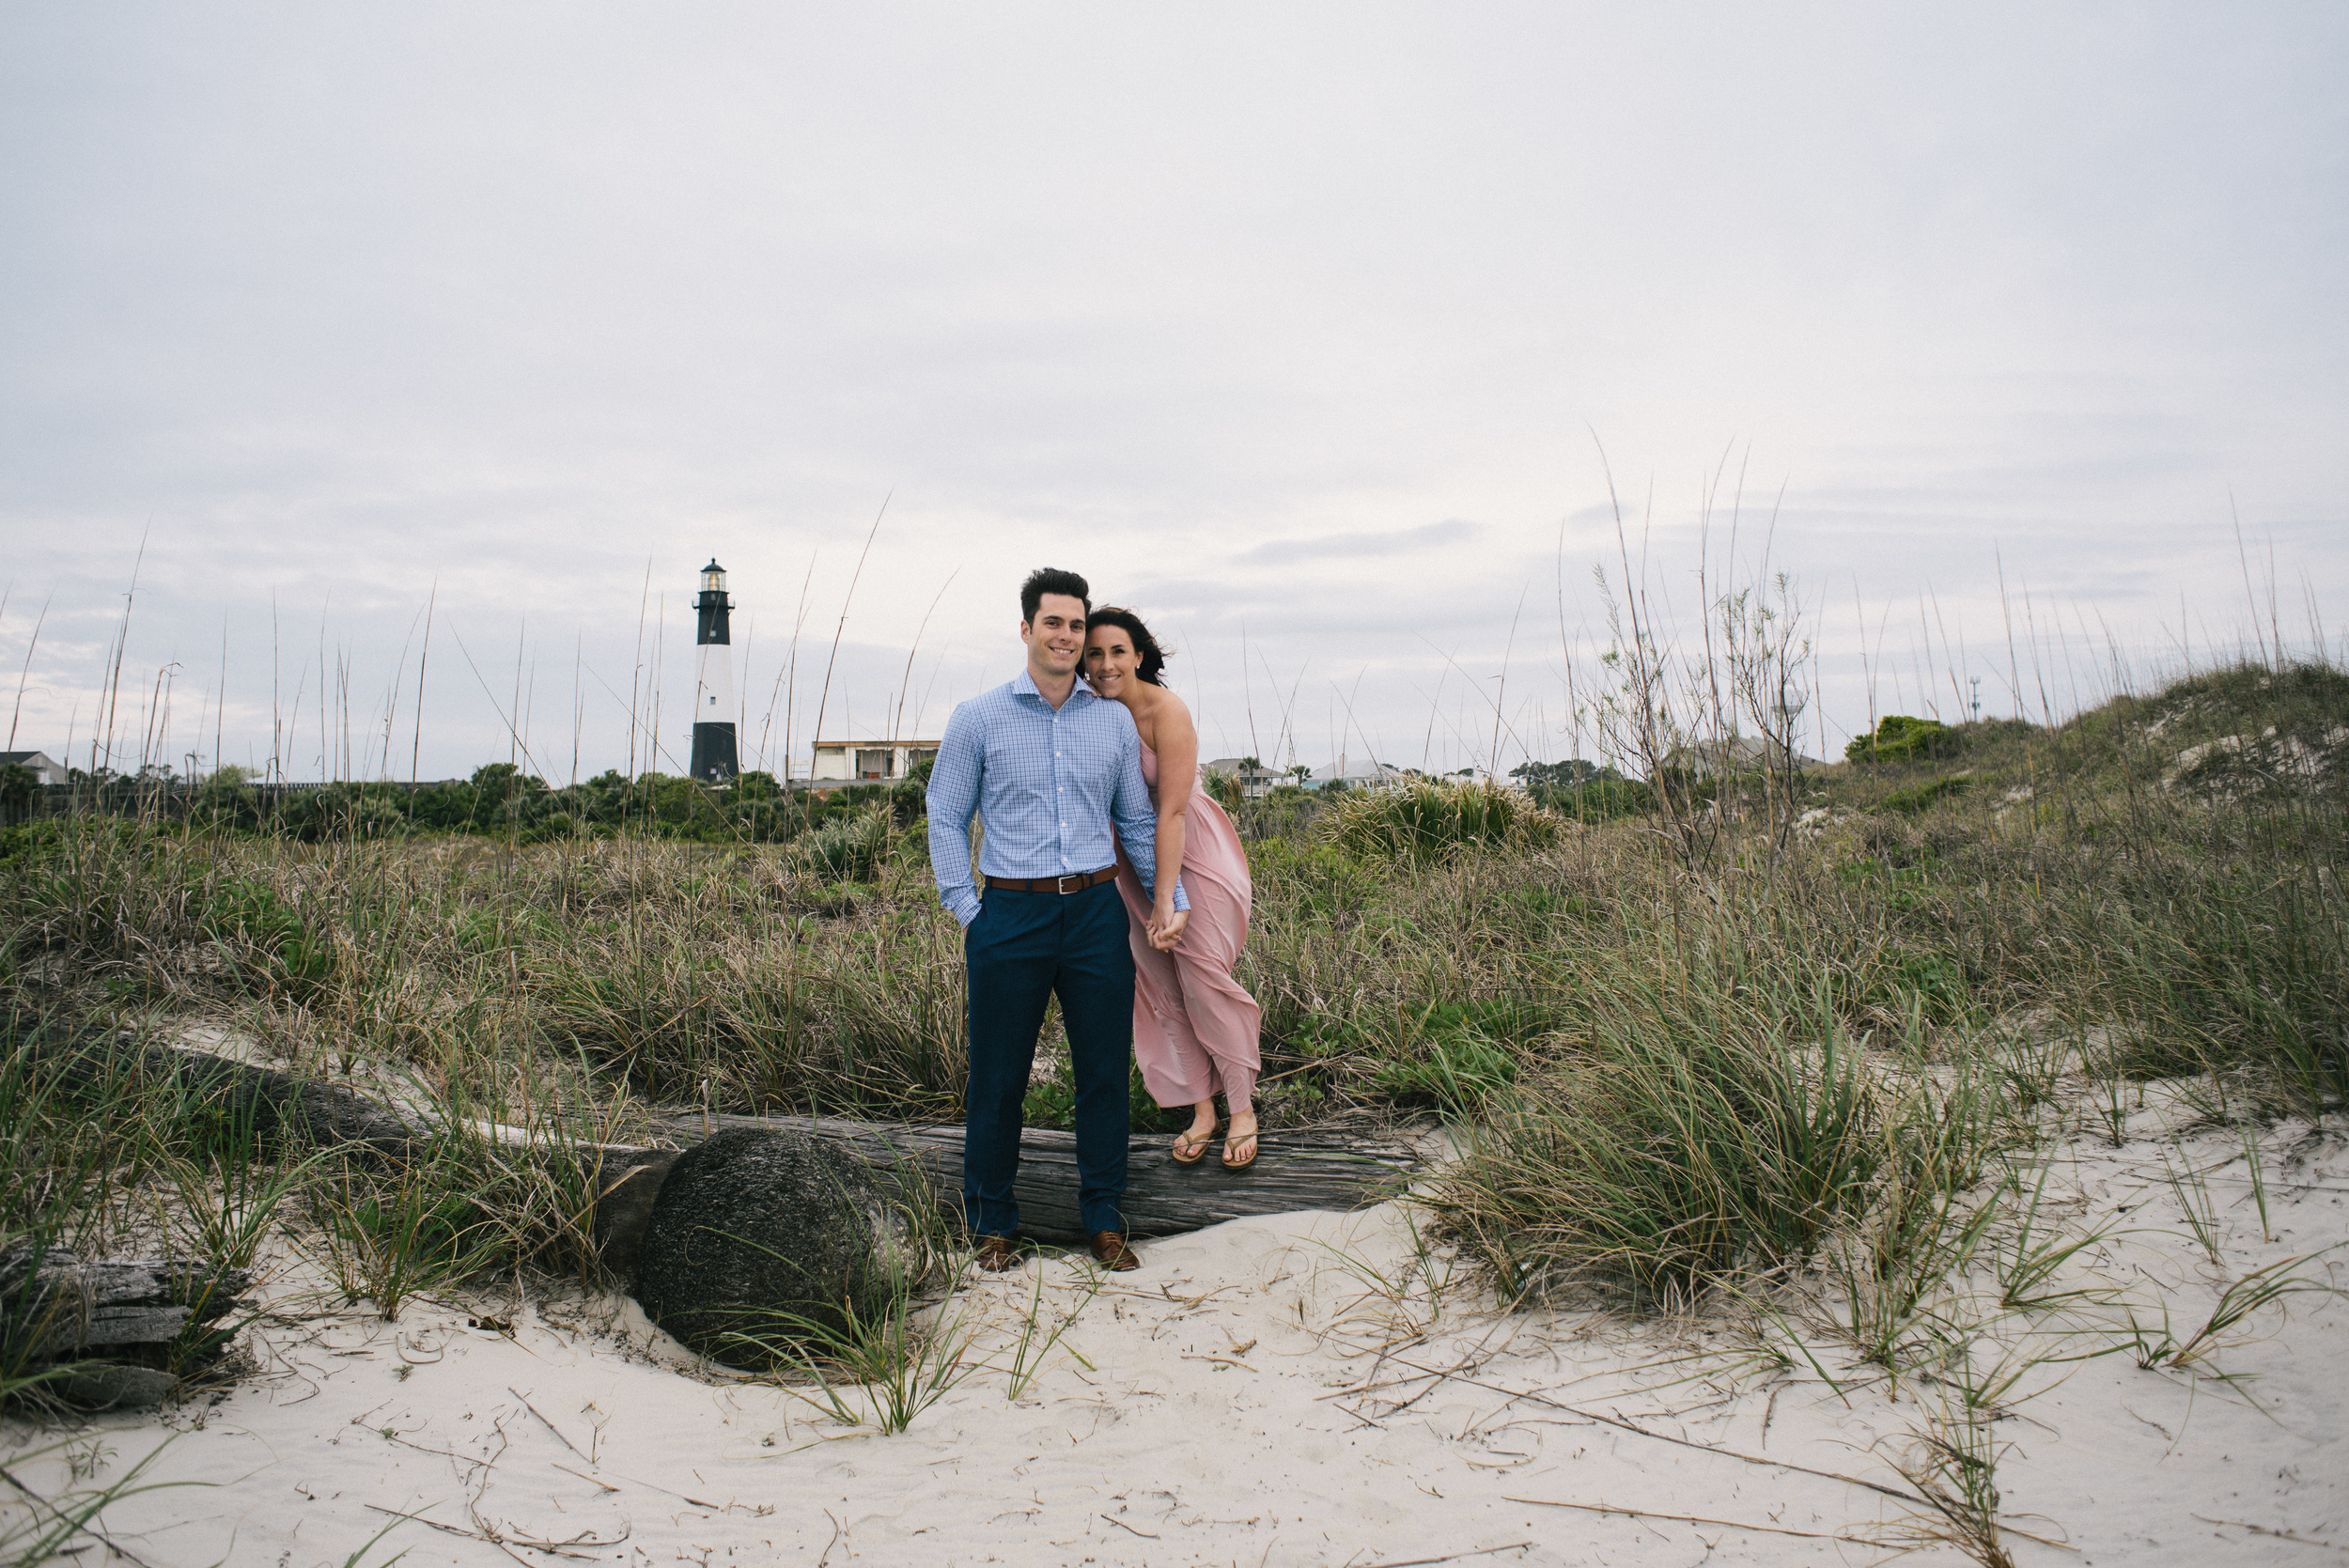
[1259, 1395]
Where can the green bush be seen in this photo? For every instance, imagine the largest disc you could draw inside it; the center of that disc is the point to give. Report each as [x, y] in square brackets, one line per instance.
[248, 916]
[1425, 820]
[1919, 797]
[1458, 1072]
[1701, 1126]
[845, 849]
[1900, 739]
[1316, 881]
[18, 785]
[1671, 1165]
[1584, 791]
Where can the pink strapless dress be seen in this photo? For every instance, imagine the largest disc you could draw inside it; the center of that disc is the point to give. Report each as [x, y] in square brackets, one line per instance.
[1196, 1027]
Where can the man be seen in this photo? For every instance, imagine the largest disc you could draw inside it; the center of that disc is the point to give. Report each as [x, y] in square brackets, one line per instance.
[1050, 768]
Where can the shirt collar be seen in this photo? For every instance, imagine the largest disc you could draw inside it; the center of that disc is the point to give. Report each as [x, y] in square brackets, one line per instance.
[1023, 684]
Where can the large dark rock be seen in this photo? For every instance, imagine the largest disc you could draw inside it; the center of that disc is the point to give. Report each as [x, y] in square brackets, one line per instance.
[758, 1227]
[628, 1185]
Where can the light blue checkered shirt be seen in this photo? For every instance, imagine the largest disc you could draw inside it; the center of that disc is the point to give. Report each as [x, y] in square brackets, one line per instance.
[1046, 785]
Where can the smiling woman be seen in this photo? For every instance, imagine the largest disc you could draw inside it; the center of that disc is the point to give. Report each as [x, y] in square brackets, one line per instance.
[1196, 1027]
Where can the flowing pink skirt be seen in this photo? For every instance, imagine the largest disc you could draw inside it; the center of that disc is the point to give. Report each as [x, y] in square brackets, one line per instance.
[1196, 1027]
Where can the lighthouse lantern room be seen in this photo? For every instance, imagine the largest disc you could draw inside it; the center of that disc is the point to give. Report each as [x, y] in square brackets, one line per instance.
[715, 759]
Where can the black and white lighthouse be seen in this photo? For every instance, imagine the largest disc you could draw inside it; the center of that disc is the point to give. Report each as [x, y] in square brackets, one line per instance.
[715, 760]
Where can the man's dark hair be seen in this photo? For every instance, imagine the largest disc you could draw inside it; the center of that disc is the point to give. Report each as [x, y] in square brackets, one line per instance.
[1152, 658]
[1052, 580]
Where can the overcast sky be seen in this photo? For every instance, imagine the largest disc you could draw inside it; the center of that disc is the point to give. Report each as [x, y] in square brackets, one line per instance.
[1303, 329]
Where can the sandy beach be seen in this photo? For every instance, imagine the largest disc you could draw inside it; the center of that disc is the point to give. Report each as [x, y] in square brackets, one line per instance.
[1306, 1389]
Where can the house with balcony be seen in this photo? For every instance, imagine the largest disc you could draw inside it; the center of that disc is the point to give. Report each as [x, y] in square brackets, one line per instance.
[1255, 779]
[866, 761]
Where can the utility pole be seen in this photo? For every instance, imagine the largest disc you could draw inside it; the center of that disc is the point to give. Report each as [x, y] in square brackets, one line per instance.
[1976, 682]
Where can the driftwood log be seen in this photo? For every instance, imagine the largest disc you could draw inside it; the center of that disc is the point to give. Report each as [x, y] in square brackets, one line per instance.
[272, 1104]
[1298, 1171]
[151, 1319]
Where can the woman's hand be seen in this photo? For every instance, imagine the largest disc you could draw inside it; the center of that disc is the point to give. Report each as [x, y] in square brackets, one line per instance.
[1166, 928]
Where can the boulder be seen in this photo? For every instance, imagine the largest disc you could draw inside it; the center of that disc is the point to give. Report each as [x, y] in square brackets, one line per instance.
[773, 1233]
[626, 1184]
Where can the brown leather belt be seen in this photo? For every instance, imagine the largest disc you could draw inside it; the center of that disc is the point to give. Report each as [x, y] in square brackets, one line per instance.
[1076, 883]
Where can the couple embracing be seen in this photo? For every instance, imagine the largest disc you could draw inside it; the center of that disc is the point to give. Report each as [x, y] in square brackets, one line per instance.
[1112, 881]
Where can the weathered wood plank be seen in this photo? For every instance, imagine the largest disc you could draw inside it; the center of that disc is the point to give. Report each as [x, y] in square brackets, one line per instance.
[64, 1306]
[1297, 1170]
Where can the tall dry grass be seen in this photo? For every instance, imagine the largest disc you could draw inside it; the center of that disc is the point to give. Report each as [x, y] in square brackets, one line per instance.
[1689, 1062]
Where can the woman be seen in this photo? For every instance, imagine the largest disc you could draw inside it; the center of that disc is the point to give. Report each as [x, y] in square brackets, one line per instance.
[1194, 1026]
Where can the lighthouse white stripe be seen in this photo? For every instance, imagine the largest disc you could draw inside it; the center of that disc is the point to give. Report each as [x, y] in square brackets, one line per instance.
[713, 686]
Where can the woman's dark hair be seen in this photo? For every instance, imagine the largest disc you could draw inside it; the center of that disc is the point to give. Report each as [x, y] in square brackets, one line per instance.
[1153, 656]
[1052, 580]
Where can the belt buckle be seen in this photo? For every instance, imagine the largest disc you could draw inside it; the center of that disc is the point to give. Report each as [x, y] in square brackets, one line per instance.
[1062, 887]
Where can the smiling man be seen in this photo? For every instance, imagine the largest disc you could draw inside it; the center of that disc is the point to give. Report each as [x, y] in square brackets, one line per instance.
[1052, 771]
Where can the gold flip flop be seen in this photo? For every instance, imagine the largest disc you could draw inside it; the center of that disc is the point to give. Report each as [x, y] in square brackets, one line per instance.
[1198, 1150]
[1255, 1139]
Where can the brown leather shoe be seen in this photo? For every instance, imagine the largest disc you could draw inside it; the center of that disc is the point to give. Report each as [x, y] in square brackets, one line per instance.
[1111, 1251]
[997, 1253]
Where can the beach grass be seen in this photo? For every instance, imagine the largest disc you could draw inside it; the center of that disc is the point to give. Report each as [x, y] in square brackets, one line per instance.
[1789, 1045]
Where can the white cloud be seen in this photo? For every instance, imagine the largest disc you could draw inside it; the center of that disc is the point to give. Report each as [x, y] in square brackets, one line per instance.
[1222, 305]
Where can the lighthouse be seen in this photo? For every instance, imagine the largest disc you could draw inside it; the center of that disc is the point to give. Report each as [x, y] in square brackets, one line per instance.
[715, 760]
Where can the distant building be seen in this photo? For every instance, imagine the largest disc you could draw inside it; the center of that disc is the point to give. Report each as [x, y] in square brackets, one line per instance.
[44, 768]
[1255, 779]
[1356, 773]
[1738, 753]
[866, 761]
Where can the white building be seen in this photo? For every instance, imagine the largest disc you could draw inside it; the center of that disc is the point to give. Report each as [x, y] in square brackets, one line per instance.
[866, 761]
[1737, 754]
[1355, 773]
[1254, 783]
[45, 769]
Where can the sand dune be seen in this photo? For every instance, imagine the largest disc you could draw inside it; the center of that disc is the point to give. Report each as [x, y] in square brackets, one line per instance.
[1297, 1390]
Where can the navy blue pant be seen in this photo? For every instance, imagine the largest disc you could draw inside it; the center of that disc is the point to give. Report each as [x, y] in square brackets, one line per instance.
[1024, 948]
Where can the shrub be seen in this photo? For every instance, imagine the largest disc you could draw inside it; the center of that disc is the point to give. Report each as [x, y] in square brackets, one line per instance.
[1900, 739]
[1425, 820]
[248, 918]
[17, 786]
[1458, 1072]
[1710, 1123]
[847, 849]
[1919, 797]
[1316, 881]
[1225, 789]
[1670, 1166]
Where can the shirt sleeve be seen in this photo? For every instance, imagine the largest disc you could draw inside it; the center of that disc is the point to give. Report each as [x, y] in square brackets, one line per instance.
[1137, 820]
[951, 798]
